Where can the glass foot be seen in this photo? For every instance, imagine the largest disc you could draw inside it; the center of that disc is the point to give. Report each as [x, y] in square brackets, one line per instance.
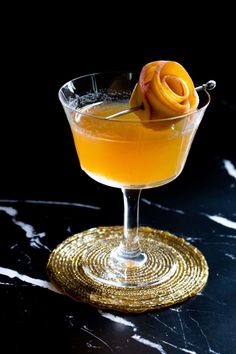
[156, 263]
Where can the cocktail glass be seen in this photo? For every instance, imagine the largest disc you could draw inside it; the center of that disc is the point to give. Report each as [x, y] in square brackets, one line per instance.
[131, 154]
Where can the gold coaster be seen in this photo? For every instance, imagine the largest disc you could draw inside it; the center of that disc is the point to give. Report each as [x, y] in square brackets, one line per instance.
[65, 271]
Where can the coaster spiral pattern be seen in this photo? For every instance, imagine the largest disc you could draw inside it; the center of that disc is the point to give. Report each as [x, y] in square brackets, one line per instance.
[65, 270]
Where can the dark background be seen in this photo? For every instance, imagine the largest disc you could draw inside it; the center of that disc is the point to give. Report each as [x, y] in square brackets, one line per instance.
[42, 49]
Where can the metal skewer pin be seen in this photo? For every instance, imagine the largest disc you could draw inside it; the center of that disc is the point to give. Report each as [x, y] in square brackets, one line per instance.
[208, 86]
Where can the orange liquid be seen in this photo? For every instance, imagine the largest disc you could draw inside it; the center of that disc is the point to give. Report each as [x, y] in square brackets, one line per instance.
[128, 153]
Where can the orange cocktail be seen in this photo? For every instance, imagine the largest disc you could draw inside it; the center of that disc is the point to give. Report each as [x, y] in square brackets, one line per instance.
[128, 152]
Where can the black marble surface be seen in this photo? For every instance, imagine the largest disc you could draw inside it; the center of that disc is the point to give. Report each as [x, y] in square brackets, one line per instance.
[202, 212]
[45, 198]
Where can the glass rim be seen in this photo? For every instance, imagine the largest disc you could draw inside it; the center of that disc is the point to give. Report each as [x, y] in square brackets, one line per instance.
[118, 119]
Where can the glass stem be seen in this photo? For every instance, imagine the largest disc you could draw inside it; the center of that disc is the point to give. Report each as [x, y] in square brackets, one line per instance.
[129, 247]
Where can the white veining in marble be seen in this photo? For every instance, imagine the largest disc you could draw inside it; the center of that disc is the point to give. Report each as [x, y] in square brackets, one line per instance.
[228, 236]
[87, 330]
[176, 309]
[9, 210]
[147, 342]
[33, 281]
[182, 324]
[231, 256]
[5, 283]
[182, 328]
[180, 349]
[193, 239]
[230, 168]
[210, 350]
[50, 202]
[69, 319]
[27, 228]
[223, 221]
[162, 207]
[163, 323]
[117, 319]
[216, 243]
[13, 246]
[92, 346]
[204, 311]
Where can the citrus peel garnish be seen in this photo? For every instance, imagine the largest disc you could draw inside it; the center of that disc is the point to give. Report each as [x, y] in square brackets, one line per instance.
[164, 90]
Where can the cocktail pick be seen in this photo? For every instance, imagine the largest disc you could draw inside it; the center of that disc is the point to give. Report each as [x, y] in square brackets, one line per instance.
[208, 86]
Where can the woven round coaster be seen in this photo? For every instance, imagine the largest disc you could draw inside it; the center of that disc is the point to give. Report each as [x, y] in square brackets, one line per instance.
[66, 273]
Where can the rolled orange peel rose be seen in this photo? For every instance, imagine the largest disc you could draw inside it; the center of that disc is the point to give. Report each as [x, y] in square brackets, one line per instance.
[164, 90]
